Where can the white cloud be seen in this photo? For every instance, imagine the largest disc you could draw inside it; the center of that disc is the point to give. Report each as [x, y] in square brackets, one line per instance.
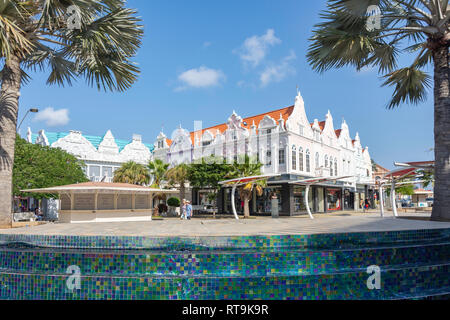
[52, 117]
[207, 44]
[278, 72]
[255, 48]
[202, 77]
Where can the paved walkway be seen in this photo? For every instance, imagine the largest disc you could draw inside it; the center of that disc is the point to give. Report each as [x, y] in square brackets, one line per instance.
[331, 223]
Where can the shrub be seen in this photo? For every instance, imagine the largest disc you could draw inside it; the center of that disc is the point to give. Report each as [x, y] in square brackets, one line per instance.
[174, 202]
[162, 208]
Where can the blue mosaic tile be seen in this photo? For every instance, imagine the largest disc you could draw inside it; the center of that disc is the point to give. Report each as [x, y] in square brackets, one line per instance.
[414, 264]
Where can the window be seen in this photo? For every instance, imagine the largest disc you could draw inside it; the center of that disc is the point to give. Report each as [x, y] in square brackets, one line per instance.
[331, 167]
[281, 157]
[300, 159]
[317, 135]
[368, 173]
[107, 172]
[336, 168]
[206, 143]
[308, 161]
[301, 130]
[269, 131]
[317, 160]
[269, 158]
[94, 171]
[294, 158]
[326, 161]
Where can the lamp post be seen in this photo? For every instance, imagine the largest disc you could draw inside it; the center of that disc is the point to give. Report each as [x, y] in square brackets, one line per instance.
[32, 110]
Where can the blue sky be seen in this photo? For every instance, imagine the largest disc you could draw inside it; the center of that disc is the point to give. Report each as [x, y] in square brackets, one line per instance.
[202, 59]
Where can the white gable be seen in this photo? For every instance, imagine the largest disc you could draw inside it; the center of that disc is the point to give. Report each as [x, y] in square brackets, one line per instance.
[77, 145]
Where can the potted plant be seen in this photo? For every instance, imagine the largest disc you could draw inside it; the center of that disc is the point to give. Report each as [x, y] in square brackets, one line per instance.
[173, 203]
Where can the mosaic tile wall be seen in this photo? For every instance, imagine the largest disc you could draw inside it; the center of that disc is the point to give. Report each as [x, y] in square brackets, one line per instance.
[414, 264]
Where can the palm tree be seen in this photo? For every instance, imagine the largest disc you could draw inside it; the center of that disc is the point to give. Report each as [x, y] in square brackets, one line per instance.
[90, 39]
[133, 173]
[158, 170]
[179, 175]
[248, 168]
[348, 37]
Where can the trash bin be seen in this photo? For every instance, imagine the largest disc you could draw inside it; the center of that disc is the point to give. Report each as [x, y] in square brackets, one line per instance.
[275, 212]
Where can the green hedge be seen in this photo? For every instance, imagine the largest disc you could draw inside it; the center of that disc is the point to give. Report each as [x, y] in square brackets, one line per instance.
[174, 202]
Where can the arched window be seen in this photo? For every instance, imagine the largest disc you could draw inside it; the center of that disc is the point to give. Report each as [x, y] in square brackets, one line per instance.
[317, 160]
[300, 159]
[331, 166]
[336, 168]
[294, 158]
[308, 161]
[326, 161]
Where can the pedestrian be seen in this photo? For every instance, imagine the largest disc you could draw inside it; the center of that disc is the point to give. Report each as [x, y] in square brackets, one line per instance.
[188, 210]
[183, 210]
[366, 204]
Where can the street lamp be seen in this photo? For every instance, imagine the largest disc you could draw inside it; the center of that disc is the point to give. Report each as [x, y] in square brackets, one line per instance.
[32, 110]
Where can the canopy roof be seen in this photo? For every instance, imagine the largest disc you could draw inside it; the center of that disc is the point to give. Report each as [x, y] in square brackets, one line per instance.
[319, 180]
[245, 180]
[99, 187]
[409, 169]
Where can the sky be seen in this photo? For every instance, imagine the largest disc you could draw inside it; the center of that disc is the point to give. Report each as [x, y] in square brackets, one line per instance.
[200, 60]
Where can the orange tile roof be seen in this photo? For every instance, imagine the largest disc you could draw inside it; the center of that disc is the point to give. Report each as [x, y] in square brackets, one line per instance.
[338, 132]
[247, 122]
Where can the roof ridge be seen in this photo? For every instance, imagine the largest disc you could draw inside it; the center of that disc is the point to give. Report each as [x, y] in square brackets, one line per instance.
[254, 116]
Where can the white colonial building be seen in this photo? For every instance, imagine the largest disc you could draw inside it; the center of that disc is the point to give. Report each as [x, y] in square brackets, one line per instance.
[287, 143]
[101, 155]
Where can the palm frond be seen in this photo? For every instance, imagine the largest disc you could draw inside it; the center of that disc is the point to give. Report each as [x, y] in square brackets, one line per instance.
[410, 86]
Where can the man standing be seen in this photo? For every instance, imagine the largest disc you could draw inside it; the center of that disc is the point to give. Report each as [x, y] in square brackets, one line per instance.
[188, 210]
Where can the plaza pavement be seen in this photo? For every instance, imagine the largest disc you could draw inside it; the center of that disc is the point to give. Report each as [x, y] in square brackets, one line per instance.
[324, 223]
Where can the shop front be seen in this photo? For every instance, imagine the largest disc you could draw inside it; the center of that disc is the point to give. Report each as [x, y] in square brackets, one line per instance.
[349, 199]
[299, 200]
[334, 199]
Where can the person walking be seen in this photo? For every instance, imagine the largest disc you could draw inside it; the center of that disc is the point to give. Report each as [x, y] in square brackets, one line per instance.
[183, 210]
[188, 210]
[366, 205]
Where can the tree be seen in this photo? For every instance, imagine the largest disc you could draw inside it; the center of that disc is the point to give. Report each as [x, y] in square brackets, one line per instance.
[207, 173]
[248, 167]
[179, 175]
[158, 170]
[37, 167]
[347, 36]
[90, 39]
[133, 173]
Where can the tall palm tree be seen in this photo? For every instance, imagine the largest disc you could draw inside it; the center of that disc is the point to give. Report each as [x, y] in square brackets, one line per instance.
[158, 170]
[348, 36]
[132, 172]
[247, 167]
[70, 39]
[179, 175]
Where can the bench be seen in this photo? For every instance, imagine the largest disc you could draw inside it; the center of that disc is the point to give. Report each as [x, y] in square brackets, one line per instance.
[24, 216]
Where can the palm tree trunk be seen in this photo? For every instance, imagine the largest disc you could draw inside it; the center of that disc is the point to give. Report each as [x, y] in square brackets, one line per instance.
[182, 191]
[441, 207]
[9, 106]
[246, 207]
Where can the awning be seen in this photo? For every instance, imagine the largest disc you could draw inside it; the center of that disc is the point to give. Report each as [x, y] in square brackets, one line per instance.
[245, 180]
[409, 169]
[320, 180]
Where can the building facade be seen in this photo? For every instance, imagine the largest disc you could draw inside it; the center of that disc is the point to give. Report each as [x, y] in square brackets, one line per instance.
[101, 155]
[289, 145]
